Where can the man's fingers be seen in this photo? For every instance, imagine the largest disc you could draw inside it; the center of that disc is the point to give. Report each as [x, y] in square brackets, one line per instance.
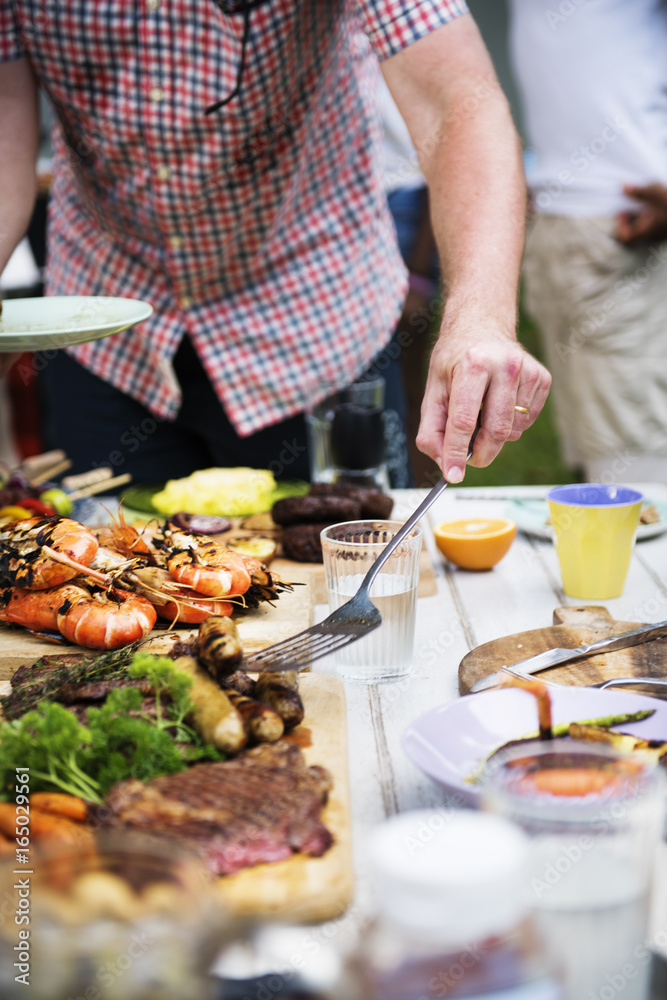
[501, 375]
[447, 423]
[652, 194]
[522, 421]
[466, 397]
[649, 223]
[432, 423]
[640, 228]
[513, 381]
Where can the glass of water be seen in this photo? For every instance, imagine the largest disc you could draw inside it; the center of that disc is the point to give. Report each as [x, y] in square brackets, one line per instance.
[349, 550]
[594, 816]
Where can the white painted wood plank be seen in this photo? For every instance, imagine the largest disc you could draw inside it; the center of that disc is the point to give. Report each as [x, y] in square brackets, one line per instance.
[520, 593]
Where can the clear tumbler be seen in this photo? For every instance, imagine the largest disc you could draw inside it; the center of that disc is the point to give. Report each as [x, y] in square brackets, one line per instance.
[350, 549]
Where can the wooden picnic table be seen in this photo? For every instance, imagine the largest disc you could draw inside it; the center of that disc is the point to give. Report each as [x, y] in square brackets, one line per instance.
[469, 608]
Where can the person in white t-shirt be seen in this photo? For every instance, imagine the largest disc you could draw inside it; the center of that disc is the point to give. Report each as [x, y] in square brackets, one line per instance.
[593, 81]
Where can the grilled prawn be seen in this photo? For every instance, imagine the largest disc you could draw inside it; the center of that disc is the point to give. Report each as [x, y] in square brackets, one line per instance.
[187, 576]
[106, 620]
[42, 552]
[198, 561]
[83, 612]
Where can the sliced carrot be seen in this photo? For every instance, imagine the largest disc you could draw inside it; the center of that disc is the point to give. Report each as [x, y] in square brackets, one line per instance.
[543, 696]
[60, 804]
[8, 819]
[573, 781]
[49, 826]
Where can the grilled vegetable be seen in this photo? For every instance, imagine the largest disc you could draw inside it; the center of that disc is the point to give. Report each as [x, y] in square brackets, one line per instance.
[201, 524]
[257, 546]
[653, 749]
[8, 820]
[561, 729]
[220, 649]
[264, 725]
[281, 693]
[60, 804]
[48, 826]
[241, 682]
[541, 693]
[259, 522]
[215, 718]
[569, 781]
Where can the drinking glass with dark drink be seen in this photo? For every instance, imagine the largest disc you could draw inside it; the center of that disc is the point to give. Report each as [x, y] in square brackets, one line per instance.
[346, 436]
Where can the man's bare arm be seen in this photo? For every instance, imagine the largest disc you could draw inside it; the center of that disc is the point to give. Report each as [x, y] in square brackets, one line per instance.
[19, 143]
[446, 88]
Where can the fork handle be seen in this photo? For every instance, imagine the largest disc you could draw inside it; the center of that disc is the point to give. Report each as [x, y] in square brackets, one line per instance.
[416, 516]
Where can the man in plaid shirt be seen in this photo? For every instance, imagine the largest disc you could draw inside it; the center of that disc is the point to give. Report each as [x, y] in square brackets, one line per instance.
[219, 159]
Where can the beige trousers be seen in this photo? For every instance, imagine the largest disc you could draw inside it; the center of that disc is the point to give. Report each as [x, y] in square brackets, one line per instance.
[602, 310]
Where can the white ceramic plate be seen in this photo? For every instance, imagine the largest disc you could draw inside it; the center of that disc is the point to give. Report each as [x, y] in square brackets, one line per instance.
[64, 320]
[531, 518]
[450, 742]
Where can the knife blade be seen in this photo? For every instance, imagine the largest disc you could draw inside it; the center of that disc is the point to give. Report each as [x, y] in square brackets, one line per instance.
[554, 657]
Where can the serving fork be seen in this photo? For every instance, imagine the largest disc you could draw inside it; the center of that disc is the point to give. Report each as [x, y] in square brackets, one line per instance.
[355, 619]
[601, 685]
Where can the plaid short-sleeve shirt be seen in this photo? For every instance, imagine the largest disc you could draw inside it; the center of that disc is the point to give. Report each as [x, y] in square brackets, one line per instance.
[261, 230]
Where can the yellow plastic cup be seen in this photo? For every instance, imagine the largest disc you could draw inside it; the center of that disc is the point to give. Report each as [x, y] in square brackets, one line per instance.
[595, 530]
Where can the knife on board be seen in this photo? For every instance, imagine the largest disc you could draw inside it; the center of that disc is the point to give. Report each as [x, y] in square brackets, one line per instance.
[554, 657]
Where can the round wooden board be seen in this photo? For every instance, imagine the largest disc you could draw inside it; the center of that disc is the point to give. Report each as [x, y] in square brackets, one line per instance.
[572, 627]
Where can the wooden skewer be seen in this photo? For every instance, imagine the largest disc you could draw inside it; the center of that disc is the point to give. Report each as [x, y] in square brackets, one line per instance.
[101, 487]
[49, 473]
[37, 463]
[82, 479]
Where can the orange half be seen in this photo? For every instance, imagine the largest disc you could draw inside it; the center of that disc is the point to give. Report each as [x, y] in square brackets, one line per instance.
[475, 542]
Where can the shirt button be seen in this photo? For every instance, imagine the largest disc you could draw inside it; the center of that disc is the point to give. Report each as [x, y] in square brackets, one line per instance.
[153, 4]
[163, 173]
[175, 242]
[185, 302]
[156, 94]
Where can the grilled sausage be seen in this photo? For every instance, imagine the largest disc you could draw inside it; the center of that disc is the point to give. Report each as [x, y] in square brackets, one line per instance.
[264, 725]
[215, 718]
[281, 692]
[241, 682]
[220, 649]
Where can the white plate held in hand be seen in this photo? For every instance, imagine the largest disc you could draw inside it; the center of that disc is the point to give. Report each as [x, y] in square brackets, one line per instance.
[65, 320]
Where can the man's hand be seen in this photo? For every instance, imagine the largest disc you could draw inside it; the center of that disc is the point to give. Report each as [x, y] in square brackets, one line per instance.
[446, 88]
[649, 223]
[471, 364]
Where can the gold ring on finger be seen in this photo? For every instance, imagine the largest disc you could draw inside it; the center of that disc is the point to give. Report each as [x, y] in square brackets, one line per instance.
[522, 409]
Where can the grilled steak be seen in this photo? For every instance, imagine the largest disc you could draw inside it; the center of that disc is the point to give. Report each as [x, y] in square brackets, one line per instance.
[72, 694]
[262, 806]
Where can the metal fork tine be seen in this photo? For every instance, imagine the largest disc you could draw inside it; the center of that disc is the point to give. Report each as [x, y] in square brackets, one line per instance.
[300, 650]
[306, 648]
[288, 646]
[353, 620]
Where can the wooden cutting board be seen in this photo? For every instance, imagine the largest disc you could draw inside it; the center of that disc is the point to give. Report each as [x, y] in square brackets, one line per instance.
[571, 628]
[307, 889]
[291, 613]
[301, 888]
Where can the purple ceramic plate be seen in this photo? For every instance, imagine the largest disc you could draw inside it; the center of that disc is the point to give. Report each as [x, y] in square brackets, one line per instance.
[449, 743]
